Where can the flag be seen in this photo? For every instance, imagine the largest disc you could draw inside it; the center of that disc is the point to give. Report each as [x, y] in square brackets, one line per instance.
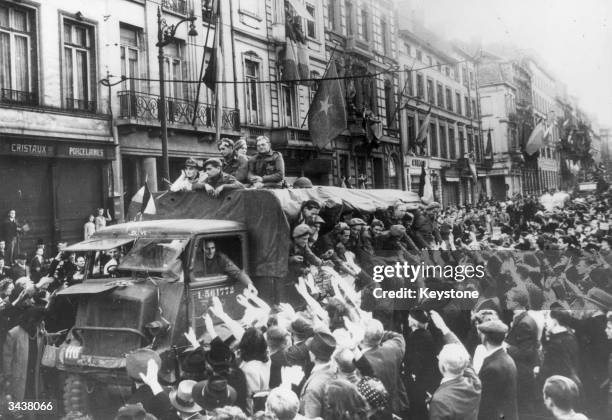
[536, 139]
[473, 170]
[327, 116]
[144, 197]
[300, 9]
[425, 188]
[215, 63]
[424, 129]
[548, 134]
[289, 61]
[489, 148]
[422, 180]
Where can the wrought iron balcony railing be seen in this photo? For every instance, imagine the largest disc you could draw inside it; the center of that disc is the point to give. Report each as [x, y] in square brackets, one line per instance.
[18, 97]
[178, 6]
[144, 106]
[81, 105]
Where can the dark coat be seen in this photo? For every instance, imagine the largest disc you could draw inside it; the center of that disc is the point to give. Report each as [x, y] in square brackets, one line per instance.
[498, 377]
[17, 272]
[386, 360]
[238, 167]
[9, 230]
[269, 166]
[15, 361]
[159, 405]
[523, 347]
[277, 361]
[457, 399]
[561, 357]
[421, 371]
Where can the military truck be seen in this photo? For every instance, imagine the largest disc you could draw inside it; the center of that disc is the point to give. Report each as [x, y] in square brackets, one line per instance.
[154, 293]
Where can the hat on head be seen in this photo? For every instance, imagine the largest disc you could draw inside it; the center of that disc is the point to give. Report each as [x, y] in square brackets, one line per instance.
[192, 163]
[302, 182]
[341, 226]
[311, 203]
[301, 230]
[322, 345]
[433, 205]
[493, 326]
[194, 361]
[301, 328]
[374, 391]
[219, 354]
[227, 141]
[213, 393]
[397, 231]
[419, 315]
[133, 412]
[355, 221]
[181, 398]
[21, 256]
[600, 298]
[136, 362]
[213, 161]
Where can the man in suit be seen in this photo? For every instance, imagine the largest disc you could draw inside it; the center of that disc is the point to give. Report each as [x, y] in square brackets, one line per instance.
[320, 347]
[297, 354]
[10, 233]
[523, 346]
[497, 374]
[385, 352]
[277, 338]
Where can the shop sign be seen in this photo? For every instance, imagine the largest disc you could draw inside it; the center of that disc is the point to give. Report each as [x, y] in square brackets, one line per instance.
[28, 149]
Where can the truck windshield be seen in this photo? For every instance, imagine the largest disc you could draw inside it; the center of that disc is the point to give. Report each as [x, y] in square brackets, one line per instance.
[155, 255]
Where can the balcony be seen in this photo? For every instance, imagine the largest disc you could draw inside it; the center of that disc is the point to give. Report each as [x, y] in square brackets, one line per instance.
[18, 97]
[176, 6]
[80, 105]
[144, 107]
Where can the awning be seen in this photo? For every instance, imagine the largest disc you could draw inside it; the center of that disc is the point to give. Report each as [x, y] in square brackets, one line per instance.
[88, 288]
[98, 244]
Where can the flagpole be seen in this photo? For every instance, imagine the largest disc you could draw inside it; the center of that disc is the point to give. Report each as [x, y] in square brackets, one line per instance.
[331, 56]
[218, 69]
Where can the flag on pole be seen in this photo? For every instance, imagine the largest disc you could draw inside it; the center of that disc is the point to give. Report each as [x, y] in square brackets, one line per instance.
[424, 129]
[548, 134]
[536, 139]
[327, 117]
[215, 63]
[146, 200]
[489, 148]
[289, 61]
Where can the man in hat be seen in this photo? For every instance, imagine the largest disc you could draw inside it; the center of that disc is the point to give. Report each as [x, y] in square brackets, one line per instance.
[594, 348]
[214, 393]
[10, 229]
[320, 348]
[497, 374]
[266, 167]
[301, 256]
[191, 178]
[425, 227]
[143, 366]
[19, 269]
[234, 164]
[216, 262]
[385, 351]
[181, 399]
[297, 354]
[218, 181]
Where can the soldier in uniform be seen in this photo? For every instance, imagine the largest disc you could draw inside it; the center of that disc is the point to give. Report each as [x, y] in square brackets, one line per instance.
[233, 163]
[192, 178]
[217, 180]
[266, 167]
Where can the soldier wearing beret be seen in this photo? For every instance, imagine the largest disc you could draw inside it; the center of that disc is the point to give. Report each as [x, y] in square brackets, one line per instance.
[218, 181]
[266, 167]
[234, 164]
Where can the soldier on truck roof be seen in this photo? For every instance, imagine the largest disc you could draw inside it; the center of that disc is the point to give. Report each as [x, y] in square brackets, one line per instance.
[266, 167]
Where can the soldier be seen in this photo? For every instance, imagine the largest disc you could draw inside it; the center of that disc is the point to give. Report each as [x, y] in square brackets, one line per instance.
[191, 177]
[266, 167]
[234, 164]
[218, 180]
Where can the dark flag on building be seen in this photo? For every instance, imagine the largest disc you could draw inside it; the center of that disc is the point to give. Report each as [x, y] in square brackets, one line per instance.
[327, 117]
[489, 148]
[422, 180]
[211, 74]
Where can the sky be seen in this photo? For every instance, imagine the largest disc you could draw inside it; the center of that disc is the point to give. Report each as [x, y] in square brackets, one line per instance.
[573, 37]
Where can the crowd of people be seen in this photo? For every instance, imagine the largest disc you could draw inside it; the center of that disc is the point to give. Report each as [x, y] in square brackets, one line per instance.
[534, 344]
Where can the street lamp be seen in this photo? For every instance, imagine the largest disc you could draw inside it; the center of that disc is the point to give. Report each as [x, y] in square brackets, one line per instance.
[165, 35]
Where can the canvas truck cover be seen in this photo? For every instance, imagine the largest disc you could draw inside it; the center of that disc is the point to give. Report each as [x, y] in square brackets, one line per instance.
[267, 214]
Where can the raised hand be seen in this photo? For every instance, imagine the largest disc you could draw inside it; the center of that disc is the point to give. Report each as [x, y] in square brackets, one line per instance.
[191, 337]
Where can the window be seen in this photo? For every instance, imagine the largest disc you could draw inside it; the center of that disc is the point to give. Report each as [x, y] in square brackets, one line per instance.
[407, 49]
[332, 14]
[208, 14]
[411, 131]
[311, 24]
[458, 101]
[461, 143]
[174, 69]
[129, 47]
[443, 147]
[384, 37]
[449, 99]
[253, 102]
[350, 27]
[430, 91]
[447, 71]
[440, 95]
[17, 52]
[468, 113]
[312, 88]
[365, 25]
[289, 106]
[420, 87]
[78, 67]
[433, 137]
[452, 152]
[409, 87]
[390, 105]
[179, 6]
[419, 55]
[429, 60]
[465, 76]
[474, 109]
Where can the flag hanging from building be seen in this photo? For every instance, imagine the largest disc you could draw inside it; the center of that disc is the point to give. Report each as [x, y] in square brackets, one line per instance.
[215, 62]
[489, 148]
[427, 195]
[146, 200]
[327, 117]
[289, 61]
[424, 129]
[536, 139]
[548, 135]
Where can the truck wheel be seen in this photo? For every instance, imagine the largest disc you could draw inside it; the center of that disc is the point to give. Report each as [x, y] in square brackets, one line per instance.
[76, 397]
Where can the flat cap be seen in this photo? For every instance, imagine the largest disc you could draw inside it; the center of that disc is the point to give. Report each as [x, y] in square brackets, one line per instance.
[493, 326]
[301, 230]
[214, 161]
[355, 221]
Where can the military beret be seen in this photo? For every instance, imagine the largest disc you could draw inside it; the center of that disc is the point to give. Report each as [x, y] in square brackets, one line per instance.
[493, 326]
[355, 221]
[213, 161]
[301, 230]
